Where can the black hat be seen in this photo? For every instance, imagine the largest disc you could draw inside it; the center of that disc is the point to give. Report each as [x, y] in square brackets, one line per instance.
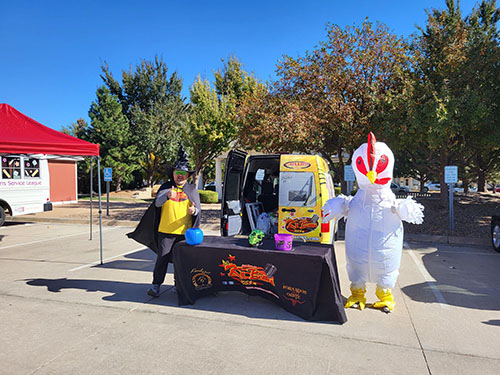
[182, 163]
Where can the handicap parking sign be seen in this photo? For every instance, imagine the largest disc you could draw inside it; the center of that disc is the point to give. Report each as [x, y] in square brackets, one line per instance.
[108, 174]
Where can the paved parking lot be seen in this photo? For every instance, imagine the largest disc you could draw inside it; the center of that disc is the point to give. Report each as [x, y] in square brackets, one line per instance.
[61, 313]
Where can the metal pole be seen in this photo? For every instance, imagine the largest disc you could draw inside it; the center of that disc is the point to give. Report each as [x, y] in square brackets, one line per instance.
[91, 188]
[107, 198]
[450, 191]
[100, 207]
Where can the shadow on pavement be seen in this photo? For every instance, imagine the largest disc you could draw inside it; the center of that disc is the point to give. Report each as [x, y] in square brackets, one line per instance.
[142, 260]
[463, 278]
[493, 322]
[234, 303]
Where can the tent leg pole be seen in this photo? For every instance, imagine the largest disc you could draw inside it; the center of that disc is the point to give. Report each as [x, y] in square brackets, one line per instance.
[100, 207]
[91, 184]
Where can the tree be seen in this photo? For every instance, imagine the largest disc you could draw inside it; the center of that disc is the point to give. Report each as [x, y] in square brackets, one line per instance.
[435, 118]
[77, 129]
[210, 127]
[151, 101]
[213, 121]
[328, 100]
[455, 95]
[234, 85]
[110, 129]
[482, 91]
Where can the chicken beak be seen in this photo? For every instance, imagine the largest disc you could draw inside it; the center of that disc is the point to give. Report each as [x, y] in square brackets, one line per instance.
[372, 176]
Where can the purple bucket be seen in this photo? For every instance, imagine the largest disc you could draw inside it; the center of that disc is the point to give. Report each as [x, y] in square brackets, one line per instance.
[283, 241]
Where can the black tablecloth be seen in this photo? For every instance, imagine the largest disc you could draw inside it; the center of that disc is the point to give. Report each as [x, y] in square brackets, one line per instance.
[303, 281]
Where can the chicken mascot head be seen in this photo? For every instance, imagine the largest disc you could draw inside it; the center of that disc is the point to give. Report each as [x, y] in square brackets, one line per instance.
[374, 229]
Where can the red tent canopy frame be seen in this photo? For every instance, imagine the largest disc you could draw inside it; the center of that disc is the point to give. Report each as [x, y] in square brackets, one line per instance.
[20, 134]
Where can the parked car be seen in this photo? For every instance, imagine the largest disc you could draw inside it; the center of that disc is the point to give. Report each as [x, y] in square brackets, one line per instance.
[210, 186]
[435, 186]
[495, 232]
[397, 189]
[432, 186]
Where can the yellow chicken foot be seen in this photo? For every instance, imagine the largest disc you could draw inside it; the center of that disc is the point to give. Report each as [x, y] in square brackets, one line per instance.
[386, 300]
[357, 298]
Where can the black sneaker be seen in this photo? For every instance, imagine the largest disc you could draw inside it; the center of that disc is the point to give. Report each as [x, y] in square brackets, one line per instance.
[154, 291]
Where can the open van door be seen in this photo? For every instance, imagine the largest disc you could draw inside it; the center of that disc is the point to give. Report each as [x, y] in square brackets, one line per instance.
[231, 193]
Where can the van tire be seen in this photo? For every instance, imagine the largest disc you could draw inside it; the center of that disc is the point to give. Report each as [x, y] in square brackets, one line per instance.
[2, 216]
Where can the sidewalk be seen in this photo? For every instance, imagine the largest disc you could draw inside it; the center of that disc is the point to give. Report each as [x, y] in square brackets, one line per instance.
[128, 214]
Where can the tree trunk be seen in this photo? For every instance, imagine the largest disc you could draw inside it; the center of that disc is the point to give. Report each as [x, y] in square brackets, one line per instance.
[118, 184]
[481, 180]
[197, 175]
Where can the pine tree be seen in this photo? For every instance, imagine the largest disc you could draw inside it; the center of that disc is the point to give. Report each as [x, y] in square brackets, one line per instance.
[110, 129]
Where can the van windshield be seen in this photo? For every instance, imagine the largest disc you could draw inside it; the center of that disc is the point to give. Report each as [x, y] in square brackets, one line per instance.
[297, 189]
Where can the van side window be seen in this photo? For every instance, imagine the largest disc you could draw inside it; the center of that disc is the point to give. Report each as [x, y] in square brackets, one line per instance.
[233, 186]
[297, 189]
[11, 167]
[31, 168]
[329, 185]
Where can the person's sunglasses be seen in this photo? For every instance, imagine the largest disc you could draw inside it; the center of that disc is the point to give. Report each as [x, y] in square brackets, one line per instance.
[181, 173]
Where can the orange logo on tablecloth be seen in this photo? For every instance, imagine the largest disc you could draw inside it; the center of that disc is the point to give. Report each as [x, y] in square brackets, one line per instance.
[294, 294]
[246, 274]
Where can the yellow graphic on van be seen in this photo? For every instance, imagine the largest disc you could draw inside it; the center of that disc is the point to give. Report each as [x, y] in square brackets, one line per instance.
[302, 224]
[297, 165]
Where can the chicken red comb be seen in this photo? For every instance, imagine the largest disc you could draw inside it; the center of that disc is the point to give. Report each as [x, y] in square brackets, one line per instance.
[371, 150]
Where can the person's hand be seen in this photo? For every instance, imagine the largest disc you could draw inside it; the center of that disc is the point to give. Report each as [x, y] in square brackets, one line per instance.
[192, 209]
[171, 194]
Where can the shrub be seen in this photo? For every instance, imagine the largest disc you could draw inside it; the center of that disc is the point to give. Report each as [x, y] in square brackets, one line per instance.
[207, 196]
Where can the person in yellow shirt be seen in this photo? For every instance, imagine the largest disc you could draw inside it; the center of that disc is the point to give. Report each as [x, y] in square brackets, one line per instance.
[175, 209]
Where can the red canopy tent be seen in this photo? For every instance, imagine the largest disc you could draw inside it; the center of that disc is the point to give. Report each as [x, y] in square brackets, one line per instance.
[20, 134]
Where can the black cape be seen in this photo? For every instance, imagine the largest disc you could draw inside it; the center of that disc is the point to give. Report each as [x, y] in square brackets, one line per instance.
[146, 232]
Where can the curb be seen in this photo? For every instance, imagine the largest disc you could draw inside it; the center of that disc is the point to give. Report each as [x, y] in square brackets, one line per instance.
[452, 240]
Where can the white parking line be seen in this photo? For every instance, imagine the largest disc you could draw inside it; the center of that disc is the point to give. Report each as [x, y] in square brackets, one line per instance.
[428, 278]
[107, 259]
[55, 238]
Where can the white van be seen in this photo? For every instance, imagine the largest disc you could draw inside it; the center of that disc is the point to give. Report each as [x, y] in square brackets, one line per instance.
[24, 185]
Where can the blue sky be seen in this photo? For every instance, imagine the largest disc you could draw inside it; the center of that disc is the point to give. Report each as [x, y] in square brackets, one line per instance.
[52, 51]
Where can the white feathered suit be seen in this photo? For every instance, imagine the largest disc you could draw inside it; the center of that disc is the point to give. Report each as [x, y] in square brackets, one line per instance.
[374, 230]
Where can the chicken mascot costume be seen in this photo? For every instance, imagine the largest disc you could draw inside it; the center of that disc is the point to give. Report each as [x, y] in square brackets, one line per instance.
[374, 231]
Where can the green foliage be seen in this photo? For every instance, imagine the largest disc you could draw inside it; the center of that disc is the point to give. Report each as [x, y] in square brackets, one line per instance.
[210, 128]
[453, 101]
[151, 100]
[212, 123]
[207, 196]
[77, 129]
[233, 82]
[110, 129]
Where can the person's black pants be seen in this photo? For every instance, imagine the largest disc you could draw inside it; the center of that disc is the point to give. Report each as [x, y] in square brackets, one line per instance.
[165, 244]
